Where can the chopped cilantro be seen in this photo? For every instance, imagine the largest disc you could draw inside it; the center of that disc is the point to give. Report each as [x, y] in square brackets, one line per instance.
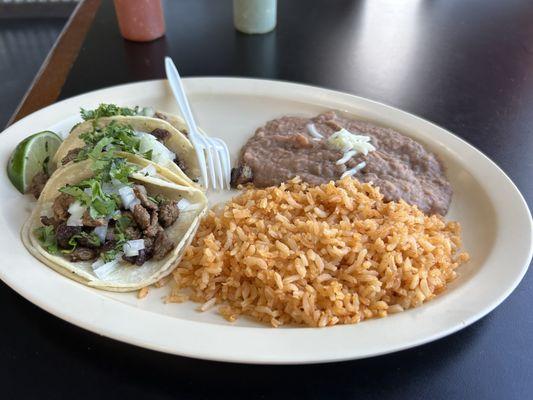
[47, 237]
[107, 110]
[148, 155]
[121, 223]
[106, 169]
[121, 170]
[91, 238]
[77, 192]
[112, 137]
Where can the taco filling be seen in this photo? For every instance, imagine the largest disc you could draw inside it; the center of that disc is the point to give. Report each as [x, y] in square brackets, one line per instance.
[109, 219]
[133, 135]
[117, 136]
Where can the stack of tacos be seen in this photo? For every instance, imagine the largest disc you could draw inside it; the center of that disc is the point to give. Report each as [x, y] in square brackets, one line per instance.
[122, 203]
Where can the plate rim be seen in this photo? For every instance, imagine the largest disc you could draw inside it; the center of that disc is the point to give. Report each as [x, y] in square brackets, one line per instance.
[96, 326]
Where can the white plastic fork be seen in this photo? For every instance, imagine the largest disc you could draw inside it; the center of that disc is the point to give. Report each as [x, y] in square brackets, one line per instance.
[209, 150]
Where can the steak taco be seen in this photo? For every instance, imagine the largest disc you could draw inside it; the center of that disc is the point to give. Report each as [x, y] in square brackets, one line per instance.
[142, 139]
[112, 110]
[113, 224]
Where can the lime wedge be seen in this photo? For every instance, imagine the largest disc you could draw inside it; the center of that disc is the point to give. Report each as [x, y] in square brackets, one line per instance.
[31, 156]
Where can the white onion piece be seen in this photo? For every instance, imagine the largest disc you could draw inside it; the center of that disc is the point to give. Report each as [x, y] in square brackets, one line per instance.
[98, 263]
[311, 128]
[183, 204]
[128, 197]
[149, 170]
[104, 270]
[346, 156]
[88, 191]
[71, 221]
[76, 211]
[132, 247]
[101, 232]
[160, 153]
[76, 208]
[147, 112]
[354, 170]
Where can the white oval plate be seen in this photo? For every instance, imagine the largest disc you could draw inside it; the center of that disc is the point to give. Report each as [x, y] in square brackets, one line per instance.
[495, 218]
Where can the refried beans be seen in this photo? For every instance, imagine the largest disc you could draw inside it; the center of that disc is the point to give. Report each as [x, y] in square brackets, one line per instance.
[401, 167]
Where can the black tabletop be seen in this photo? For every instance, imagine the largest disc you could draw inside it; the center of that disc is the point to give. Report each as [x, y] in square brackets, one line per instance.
[465, 65]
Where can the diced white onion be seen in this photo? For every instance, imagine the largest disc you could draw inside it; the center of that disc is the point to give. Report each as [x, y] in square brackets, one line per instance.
[132, 247]
[160, 153]
[149, 170]
[311, 128]
[101, 232]
[346, 156]
[128, 197]
[147, 112]
[98, 263]
[183, 204]
[76, 211]
[88, 191]
[76, 208]
[354, 170]
[104, 270]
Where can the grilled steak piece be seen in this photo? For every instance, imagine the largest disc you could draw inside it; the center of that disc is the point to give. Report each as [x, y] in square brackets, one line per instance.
[87, 220]
[64, 233]
[108, 245]
[154, 228]
[137, 260]
[168, 213]
[47, 221]
[60, 206]
[141, 216]
[82, 254]
[160, 116]
[144, 254]
[160, 134]
[71, 156]
[149, 247]
[241, 175]
[162, 245]
[140, 193]
[85, 242]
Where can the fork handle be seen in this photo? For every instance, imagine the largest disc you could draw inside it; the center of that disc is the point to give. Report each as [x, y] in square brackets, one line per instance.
[176, 85]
